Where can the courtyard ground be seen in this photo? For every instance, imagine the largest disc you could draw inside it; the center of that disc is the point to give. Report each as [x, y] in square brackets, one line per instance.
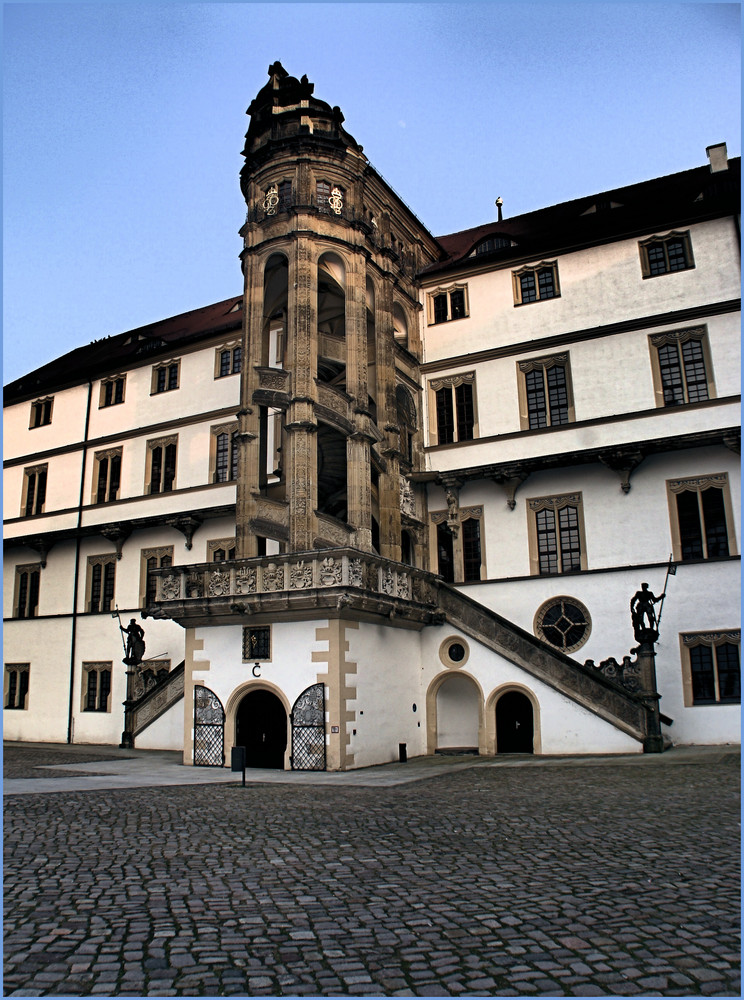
[519, 876]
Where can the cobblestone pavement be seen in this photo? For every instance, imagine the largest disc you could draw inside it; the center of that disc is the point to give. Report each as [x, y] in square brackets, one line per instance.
[577, 879]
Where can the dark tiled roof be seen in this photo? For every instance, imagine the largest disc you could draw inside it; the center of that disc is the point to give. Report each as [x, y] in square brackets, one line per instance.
[665, 202]
[124, 350]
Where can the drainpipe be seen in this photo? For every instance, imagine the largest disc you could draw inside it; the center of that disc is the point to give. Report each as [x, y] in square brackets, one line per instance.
[76, 582]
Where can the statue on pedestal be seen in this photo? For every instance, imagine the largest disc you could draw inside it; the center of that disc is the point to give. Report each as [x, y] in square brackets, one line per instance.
[642, 607]
[135, 643]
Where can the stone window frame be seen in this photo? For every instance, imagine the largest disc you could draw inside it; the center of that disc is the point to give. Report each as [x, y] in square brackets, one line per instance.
[174, 364]
[539, 621]
[438, 517]
[99, 457]
[698, 484]
[452, 382]
[215, 545]
[447, 290]
[231, 347]
[97, 668]
[680, 337]
[231, 429]
[711, 638]
[28, 592]
[107, 562]
[152, 445]
[555, 503]
[158, 552]
[41, 412]
[534, 270]
[19, 690]
[644, 245]
[111, 387]
[545, 363]
[266, 634]
[34, 489]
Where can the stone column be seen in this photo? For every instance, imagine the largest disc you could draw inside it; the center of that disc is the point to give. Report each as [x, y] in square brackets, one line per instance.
[301, 428]
[646, 656]
[387, 420]
[358, 476]
[248, 440]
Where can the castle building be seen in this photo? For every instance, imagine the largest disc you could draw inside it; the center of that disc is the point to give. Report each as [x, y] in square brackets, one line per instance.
[396, 496]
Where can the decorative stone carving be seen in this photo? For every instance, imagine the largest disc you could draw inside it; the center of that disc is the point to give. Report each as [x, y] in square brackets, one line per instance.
[356, 573]
[271, 200]
[194, 585]
[336, 201]
[273, 577]
[330, 572]
[170, 587]
[219, 584]
[388, 582]
[245, 580]
[404, 586]
[407, 498]
[273, 378]
[301, 576]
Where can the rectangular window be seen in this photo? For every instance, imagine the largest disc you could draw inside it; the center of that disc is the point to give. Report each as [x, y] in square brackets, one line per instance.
[536, 282]
[556, 534]
[666, 254]
[41, 412]
[453, 408]
[112, 391]
[26, 603]
[459, 553]
[15, 695]
[701, 517]
[285, 195]
[256, 643]
[106, 475]
[681, 367]
[447, 304]
[224, 453]
[161, 465]
[151, 559]
[97, 687]
[322, 194]
[711, 667]
[100, 584]
[228, 361]
[545, 394]
[34, 490]
[165, 377]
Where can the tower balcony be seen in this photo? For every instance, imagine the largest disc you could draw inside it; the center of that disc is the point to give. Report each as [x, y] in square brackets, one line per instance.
[333, 582]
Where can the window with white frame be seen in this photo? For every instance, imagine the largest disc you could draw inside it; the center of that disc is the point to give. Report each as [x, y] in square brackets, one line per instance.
[452, 408]
[15, 693]
[34, 490]
[711, 667]
[445, 304]
[556, 534]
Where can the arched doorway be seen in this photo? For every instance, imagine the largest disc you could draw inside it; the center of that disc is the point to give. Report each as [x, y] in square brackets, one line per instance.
[458, 714]
[261, 727]
[515, 725]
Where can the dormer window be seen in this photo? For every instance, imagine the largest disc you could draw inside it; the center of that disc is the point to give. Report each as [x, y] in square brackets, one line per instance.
[493, 243]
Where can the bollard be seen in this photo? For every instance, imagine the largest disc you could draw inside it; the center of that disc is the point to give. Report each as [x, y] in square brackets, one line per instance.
[403, 752]
[237, 761]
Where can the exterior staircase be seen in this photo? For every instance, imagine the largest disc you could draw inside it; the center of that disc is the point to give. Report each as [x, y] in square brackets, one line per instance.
[157, 700]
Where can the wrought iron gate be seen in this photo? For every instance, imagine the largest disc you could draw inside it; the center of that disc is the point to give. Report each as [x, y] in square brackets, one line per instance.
[209, 728]
[308, 730]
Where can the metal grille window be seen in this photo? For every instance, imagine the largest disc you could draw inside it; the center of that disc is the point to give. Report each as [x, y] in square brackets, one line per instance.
[563, 622]
[711, 662]
[16, 685]
[34, 490]
[557, 534]
[256, 643]
[532, 284]
[26, 604]
[666, 254]
[97, 681]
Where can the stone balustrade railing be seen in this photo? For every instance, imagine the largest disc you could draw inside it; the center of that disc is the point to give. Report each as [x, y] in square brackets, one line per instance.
[296, 572]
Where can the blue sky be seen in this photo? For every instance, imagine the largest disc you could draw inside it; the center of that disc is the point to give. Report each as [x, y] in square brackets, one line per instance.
[123, 126]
